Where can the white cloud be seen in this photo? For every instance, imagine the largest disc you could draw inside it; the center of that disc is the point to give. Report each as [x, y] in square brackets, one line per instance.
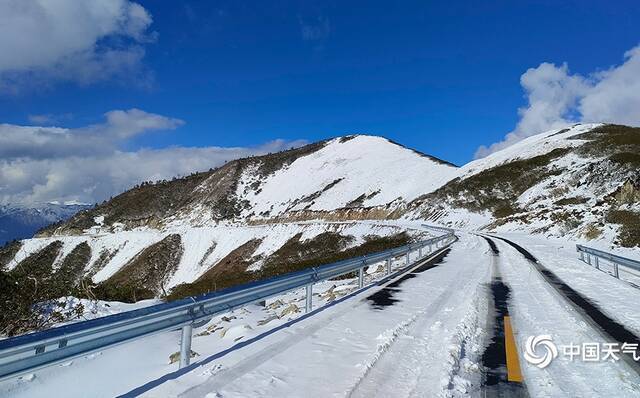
[49, 118]
[51, 142]
[89, 164]
[126, 124]
[557, 98]
[43, 41]
[616, 95]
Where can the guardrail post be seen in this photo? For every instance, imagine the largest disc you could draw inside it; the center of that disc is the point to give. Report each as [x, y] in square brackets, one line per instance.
[19, 357]
[185, 345]
[597, 261]
[615, 271]
[309, 299]
[582, 256]
[420, 252]
[360, 277]
[588, 258]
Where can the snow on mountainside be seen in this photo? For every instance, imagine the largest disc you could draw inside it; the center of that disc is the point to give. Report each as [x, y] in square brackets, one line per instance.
[262, 216]
[536, 145]
[201, 247]
[355, 171]
[249, 219]
[361, 177]
[581, 182]
[129, 266]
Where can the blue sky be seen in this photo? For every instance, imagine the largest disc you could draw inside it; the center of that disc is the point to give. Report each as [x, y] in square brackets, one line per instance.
[441, 77]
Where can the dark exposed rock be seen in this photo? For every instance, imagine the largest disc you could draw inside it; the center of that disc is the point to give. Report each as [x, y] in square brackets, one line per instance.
[628, 193]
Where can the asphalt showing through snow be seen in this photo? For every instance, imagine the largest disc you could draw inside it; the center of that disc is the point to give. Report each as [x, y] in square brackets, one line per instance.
[385, 297]
[502, 377]
[408, 366]
[585, 307]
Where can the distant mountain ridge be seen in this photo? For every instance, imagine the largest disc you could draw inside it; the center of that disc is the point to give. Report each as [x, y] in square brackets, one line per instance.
[21, 222]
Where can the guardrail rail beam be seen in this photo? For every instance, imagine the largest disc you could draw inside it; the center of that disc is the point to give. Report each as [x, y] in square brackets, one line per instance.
[29, 352]
[586, 253]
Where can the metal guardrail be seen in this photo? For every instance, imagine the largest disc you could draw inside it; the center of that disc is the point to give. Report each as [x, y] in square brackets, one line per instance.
[29, 352]
[439, 228]
[586, 253]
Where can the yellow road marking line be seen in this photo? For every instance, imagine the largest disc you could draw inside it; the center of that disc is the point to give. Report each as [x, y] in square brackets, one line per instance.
[513, 365]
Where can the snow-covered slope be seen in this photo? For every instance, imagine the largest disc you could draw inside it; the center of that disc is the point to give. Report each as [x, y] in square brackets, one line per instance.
[256, 217]
[581, 182]
[356, 171]
[251, 218]
[536, 145]
[202, 247]
[356, 177]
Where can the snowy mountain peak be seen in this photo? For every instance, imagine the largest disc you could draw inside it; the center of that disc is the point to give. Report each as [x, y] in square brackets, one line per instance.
[348, 172]
[358, 176]
[383, 142]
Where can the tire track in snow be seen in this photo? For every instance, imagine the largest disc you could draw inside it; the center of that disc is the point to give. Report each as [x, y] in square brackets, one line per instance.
[297, 335]
[540, 309]
[590, 311]
[398, 368]
[495, 382]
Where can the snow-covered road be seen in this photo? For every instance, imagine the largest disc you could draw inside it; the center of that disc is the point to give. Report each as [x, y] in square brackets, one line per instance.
[539, 309]
[427, 333]
[424, 344]
[428, 343]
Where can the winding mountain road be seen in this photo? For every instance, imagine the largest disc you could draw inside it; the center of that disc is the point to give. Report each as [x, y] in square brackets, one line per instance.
[456, 326]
